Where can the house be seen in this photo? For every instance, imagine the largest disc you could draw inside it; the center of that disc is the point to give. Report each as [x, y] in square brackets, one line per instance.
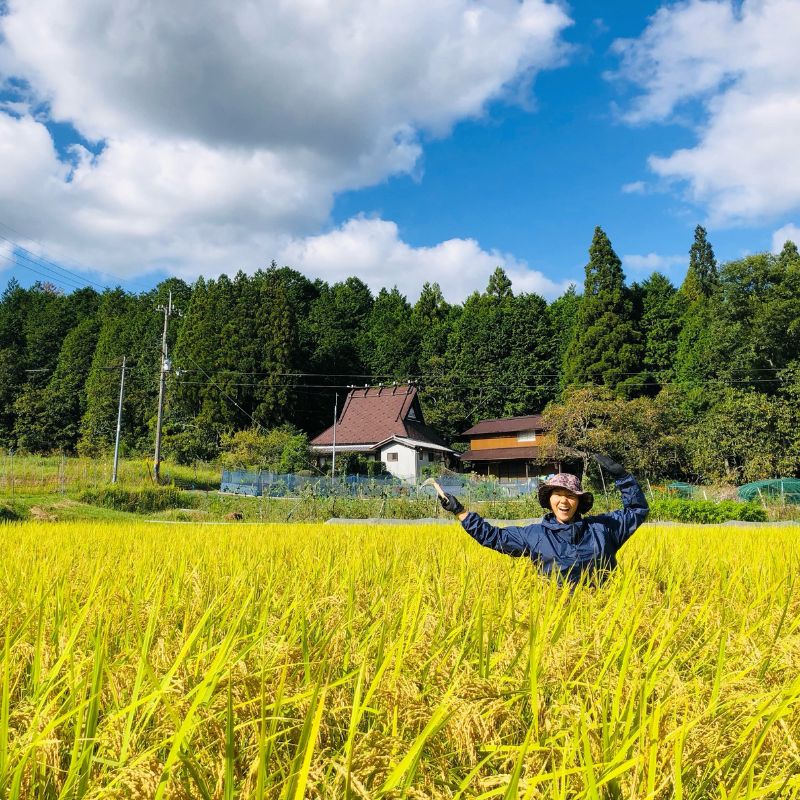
[511, 448]
[384, 423]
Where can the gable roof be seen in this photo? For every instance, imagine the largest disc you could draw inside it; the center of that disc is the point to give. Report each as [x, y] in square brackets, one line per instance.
[531, 422]
[374, 414]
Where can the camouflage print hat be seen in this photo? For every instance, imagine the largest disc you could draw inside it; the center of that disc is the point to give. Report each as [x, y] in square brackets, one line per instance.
[571, 483]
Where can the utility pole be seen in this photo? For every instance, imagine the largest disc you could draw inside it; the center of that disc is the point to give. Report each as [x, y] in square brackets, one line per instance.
[335, 417]
[119, 422]
[168, 312]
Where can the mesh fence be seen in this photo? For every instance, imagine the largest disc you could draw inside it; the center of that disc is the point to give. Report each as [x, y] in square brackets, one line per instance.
[785, 489]
[270, 484]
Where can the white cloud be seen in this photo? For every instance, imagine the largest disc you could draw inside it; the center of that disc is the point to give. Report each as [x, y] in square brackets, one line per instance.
[741, 64]
[229, 130]
[373, 250]
[635, 187]
[652, 262]
[788, 233]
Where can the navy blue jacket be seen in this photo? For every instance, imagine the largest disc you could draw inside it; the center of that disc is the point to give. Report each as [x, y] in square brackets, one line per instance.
[586, 544]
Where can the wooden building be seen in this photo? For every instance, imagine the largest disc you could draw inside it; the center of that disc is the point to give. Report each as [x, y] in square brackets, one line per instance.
[511, 448]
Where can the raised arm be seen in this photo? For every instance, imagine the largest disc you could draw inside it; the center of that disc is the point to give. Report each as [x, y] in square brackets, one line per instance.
[634, 510]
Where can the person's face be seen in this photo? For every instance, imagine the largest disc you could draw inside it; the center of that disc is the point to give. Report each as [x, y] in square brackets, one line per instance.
[564, 504]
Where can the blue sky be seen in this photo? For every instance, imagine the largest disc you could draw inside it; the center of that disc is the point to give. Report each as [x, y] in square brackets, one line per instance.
[398, 142]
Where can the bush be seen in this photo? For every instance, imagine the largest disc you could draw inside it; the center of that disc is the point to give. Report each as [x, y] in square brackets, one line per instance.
[8, 513]
[281, 450]
[359, 464]
[138, 501]
[677, 509]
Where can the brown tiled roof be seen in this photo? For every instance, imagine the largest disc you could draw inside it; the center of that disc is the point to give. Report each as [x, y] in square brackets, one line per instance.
[371, 415]
[423, 433]
[532, 422]
[509, 454]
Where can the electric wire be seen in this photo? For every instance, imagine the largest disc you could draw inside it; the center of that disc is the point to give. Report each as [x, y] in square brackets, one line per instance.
[46, 264]
[49, 277]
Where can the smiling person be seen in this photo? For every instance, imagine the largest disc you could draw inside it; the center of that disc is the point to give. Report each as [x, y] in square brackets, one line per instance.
[565, 543]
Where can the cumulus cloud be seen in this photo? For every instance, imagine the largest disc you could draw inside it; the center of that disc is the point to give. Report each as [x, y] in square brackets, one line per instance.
[652, 262]
[788, 233]
[739, 64]
[373, 250]
[225, 131]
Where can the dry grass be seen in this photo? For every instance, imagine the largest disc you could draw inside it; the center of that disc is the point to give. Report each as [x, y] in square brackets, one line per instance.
[144, 661]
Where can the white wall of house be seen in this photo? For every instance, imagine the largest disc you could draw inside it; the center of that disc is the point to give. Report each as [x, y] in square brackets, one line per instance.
[406, 464]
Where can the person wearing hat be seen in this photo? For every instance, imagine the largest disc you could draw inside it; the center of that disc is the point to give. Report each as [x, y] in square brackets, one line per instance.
[565, 543]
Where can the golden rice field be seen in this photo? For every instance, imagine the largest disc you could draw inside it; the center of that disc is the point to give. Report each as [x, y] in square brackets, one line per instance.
[292, 661]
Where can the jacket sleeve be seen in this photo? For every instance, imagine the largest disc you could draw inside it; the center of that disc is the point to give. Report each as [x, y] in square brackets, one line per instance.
[623, 523]
[513, 540]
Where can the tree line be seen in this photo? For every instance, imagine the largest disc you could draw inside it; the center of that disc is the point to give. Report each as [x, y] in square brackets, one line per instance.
[700, 381]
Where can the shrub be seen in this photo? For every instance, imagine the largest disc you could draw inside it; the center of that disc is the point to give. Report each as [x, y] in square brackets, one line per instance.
[677, 509]
[8, 513]
[138, 501]
[281, 450]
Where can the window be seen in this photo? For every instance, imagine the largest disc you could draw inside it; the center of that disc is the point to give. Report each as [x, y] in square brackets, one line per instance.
[526, 436]
[391, 456]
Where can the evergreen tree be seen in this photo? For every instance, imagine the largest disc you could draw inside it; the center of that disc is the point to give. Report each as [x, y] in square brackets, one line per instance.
[391, 342]
[144, 329]
[499, 359]
[499, 284]
[306, 410]
[194, 349]
[279, 342]
[693, 361]
[702, 276]
[13, 306]
[338, 319]
[98, 425]
[662, 311]
[433, 320]
[605, 349]
[187, 435]
[65, 395]
[47, 319]
[563, 313]
[213, 369]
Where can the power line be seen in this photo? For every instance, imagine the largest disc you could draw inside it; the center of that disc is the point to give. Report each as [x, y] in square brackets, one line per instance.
[224, 394]
[421, 376]
[50, 266]
[497, 385]
[16, 263]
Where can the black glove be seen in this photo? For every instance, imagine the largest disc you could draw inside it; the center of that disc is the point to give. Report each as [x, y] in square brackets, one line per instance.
[451, 503]
[616, 471]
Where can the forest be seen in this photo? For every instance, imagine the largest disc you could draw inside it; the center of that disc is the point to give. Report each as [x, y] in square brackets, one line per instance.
[699, 381]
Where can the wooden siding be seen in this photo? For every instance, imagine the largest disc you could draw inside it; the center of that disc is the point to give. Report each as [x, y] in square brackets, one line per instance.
[490, 442]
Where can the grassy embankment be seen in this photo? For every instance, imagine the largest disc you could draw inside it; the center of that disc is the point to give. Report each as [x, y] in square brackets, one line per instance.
[290, 661]
[54, 487]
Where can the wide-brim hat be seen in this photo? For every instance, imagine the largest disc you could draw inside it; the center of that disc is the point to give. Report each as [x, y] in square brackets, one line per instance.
[571, 483]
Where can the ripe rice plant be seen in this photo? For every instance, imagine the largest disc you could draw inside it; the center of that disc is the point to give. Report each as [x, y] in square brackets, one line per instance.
[292, 661]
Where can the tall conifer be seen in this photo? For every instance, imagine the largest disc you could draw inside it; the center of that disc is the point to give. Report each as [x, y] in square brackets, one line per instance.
[605, 348]
[702, 277]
